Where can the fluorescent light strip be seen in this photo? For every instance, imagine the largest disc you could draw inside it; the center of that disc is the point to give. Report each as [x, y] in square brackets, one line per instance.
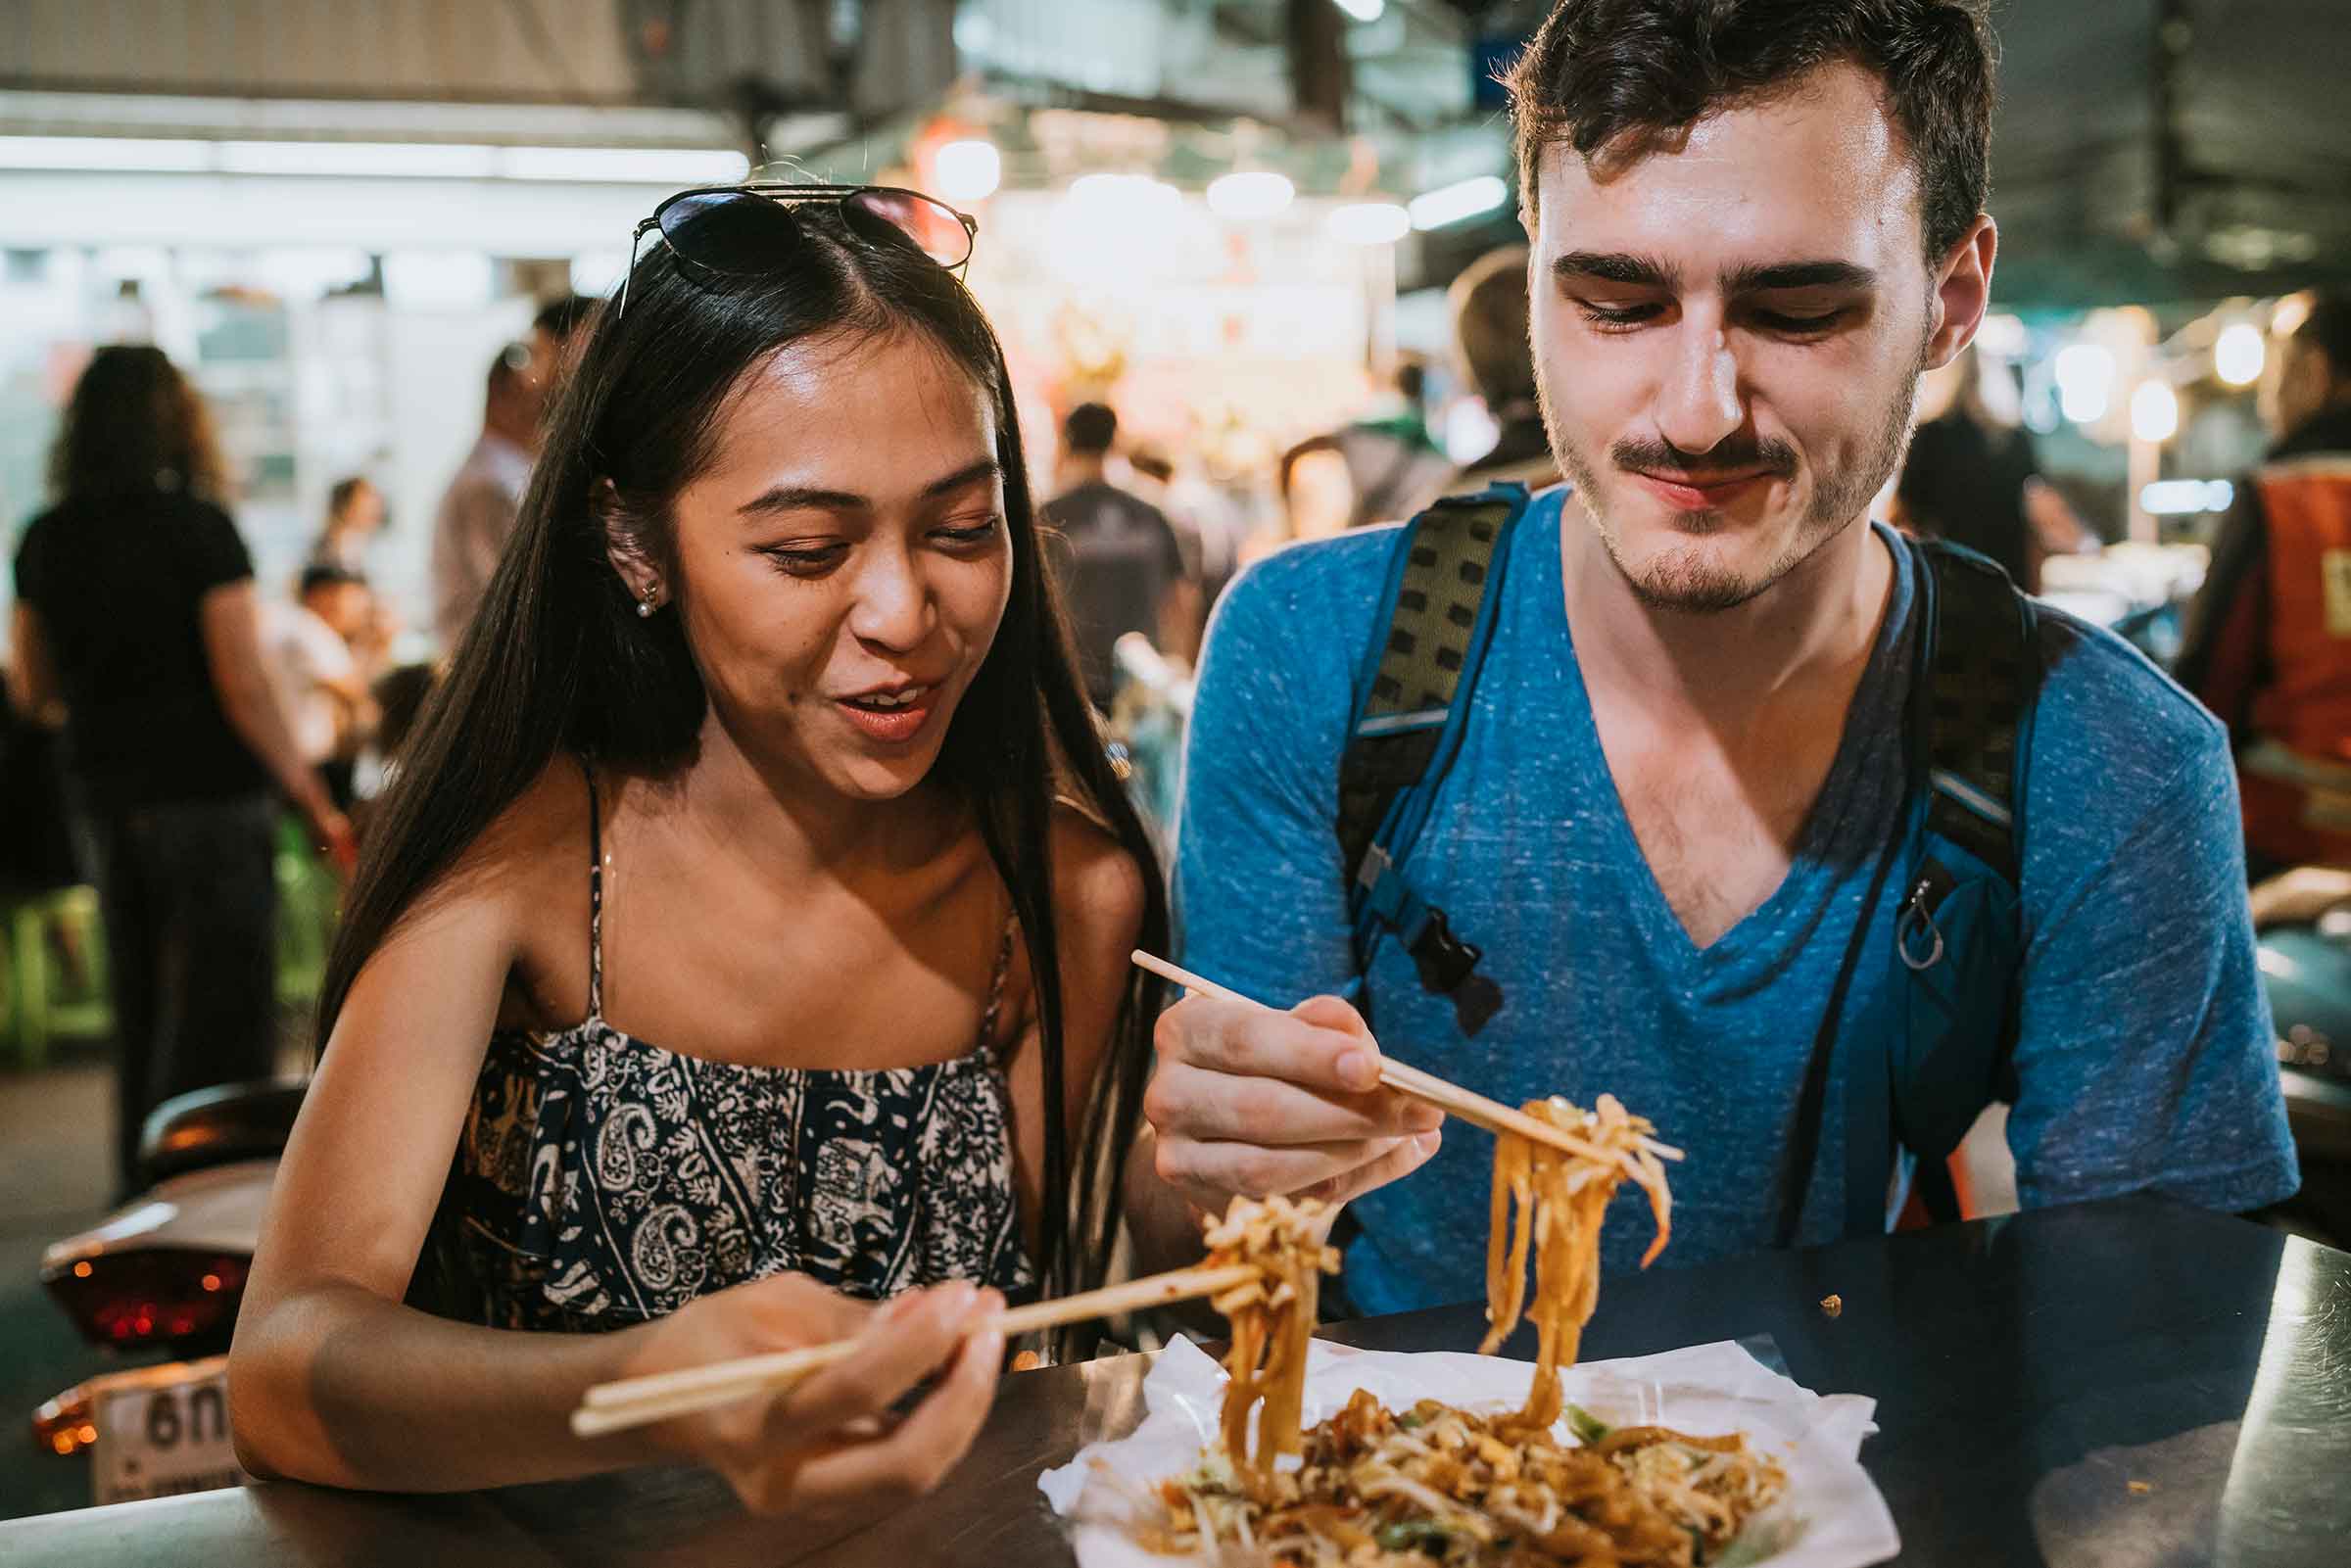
[1450, 203]
[612, 165]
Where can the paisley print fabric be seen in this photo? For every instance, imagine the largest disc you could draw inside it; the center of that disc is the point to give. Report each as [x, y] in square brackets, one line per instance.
[600, 1181]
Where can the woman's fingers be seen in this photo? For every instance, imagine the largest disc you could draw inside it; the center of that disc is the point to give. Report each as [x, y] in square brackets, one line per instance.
[902, 1345]
[921, 1449]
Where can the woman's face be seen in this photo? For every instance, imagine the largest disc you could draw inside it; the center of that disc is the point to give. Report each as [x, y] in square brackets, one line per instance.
[843, 562]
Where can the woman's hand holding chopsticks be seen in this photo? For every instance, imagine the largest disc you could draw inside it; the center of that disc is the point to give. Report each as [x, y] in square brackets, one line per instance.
[1255, 1102]
[831, 1441]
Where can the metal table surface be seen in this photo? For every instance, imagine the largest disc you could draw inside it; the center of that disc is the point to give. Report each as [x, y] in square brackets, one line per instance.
[2028, 1372]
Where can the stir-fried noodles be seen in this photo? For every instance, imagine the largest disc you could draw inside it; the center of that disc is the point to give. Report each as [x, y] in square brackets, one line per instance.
[1374, 1489]
[1440, 1486]
[1273, 1316]
[1559, 1197]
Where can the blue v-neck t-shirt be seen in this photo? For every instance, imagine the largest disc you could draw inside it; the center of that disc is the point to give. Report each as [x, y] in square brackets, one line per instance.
[2144, 1056]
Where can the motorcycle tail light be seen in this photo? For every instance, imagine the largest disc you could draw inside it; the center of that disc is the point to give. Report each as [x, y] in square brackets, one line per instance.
[150, 1294]
[65, 1424]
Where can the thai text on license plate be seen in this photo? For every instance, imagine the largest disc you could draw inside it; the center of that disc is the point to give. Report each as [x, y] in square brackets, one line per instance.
[163, 1430]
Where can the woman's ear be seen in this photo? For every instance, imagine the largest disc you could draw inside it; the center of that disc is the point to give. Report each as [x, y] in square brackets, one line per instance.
[625, 546]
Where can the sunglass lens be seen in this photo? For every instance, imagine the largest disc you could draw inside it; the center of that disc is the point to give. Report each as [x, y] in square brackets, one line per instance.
[726, 231]
[902, 217]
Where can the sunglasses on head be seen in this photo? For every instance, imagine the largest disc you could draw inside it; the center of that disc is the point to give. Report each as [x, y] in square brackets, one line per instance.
[738, 231]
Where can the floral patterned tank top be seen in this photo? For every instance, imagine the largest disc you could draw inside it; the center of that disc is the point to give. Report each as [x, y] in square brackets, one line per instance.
[600, 1181]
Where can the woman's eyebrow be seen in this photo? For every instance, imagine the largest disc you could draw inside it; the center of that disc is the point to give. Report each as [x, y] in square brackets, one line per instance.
[806, 498]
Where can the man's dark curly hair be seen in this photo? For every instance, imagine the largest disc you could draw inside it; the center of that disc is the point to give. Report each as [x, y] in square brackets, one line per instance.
[1601, 70]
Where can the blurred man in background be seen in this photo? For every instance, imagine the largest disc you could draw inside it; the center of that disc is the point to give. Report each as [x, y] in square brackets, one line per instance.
[1119, 558]
[2269, 638]
[1489, 340]
[1394, 464]
[1972, 476]
[478, 510]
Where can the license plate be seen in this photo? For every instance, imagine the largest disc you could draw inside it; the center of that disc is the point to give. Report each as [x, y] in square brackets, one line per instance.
[163, 1430]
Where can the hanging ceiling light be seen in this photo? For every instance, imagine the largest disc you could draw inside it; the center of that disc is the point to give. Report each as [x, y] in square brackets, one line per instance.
[1249, 193]
[2238, 355]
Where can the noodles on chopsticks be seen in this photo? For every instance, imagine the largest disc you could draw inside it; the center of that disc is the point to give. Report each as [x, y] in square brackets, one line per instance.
[1559, 1197]
[1272, 1317]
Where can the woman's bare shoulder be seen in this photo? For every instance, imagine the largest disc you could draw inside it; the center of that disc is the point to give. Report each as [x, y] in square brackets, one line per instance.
[1099, 891]
[530, 859]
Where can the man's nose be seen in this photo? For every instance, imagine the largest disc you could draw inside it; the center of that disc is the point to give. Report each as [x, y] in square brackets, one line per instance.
[1698, 404]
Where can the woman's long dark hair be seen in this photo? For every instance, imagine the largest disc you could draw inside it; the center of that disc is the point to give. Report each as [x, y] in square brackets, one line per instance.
[556, 660]
[134, 423]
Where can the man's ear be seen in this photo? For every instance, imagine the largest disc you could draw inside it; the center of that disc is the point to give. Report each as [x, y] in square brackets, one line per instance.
[624, 543]
[1962, 293]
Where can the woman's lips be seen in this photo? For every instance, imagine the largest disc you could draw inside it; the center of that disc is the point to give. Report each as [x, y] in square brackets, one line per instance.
[893, 725]
[1700, 495]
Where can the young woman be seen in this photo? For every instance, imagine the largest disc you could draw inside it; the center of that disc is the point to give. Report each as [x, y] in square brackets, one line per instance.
[742, 943]
[136, 616]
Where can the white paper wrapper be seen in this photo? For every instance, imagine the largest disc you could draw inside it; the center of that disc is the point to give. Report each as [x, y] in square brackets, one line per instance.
[1831, 1515]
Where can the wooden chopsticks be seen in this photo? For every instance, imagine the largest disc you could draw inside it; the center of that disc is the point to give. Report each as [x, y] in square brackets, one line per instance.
[637, 1401]
[1449, 1098]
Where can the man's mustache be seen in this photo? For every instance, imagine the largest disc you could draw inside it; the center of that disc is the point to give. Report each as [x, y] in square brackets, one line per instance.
[1734, 458]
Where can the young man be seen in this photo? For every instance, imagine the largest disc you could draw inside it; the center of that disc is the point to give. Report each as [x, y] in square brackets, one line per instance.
[1754, 226]
[2269, 640]
[1121, 564]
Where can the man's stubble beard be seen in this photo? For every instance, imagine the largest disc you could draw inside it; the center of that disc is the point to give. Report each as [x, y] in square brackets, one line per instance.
[1688, 579]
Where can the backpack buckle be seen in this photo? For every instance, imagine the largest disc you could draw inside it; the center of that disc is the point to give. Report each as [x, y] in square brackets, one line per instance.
[1443, 959]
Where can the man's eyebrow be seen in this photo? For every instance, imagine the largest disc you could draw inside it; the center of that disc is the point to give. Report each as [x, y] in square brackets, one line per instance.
[1614, 267]
[807, 498]
[1759, 278]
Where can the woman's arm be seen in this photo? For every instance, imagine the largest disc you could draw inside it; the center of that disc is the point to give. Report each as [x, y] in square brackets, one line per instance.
[334, 1381]
[31, 673]
[232, 652]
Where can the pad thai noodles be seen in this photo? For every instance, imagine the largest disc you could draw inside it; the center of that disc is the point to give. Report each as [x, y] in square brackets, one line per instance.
[1558, 1197]
[1272, 1317]
[1440, 1484]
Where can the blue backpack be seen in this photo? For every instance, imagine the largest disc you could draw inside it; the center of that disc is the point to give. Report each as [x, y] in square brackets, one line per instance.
[1919, 1082]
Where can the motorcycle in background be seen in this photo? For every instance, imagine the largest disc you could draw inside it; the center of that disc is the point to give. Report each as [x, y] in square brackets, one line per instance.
[165, 1273]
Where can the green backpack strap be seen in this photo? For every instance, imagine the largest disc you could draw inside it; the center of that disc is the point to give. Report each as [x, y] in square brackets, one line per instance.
[1413, 704]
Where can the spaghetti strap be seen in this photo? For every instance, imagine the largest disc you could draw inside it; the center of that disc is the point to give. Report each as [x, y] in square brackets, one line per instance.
[595, 899]
[996, 983]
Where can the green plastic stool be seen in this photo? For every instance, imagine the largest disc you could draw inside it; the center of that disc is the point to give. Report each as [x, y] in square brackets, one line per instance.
[37, 1011]
[309, 903]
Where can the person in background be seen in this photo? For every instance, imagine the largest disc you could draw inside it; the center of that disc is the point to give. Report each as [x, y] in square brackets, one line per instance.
[477, 511]
[314, 644]
[1972, 477]
[354, 514]
[136, 608]
[1489, 309]
[1317, 490]
[1118, 556]
[2268, 642]
[1394, 465]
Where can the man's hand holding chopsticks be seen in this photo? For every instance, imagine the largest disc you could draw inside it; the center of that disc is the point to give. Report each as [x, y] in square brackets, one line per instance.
[1252, 1102]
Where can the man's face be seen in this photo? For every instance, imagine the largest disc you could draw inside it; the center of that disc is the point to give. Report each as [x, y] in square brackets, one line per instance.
[1729, 327]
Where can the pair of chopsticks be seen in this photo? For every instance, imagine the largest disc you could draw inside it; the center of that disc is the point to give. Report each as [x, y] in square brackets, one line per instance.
[659, 1397]
[1449, 1098]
